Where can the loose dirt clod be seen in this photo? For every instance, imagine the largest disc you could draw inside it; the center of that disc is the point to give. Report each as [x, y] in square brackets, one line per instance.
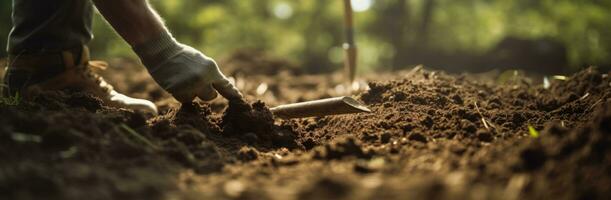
[244, 120]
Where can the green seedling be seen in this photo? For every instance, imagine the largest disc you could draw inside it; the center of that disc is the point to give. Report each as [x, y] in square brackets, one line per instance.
[533, 132]
[10, 100]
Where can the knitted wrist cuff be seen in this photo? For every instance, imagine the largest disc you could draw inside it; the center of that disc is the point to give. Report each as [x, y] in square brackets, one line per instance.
[157, 50]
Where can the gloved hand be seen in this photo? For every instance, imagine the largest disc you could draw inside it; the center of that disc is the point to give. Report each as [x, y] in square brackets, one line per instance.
[184, 72]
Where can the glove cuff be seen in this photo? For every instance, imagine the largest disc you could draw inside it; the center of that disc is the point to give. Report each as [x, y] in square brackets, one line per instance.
[157, 50]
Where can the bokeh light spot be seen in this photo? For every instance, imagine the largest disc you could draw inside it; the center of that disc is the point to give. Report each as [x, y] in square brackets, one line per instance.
[283, 10]
[361, 5]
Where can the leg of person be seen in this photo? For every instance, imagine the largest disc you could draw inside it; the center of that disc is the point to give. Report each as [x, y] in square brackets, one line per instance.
[49, 26]
[41, 31]
[47, 52]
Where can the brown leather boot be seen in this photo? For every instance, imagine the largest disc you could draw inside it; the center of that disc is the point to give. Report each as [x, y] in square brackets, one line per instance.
[66, 71]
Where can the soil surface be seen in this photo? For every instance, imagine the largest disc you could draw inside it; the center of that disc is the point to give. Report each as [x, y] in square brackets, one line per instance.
[430, 136]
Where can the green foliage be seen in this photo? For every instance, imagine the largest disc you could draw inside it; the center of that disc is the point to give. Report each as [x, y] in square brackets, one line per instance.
[311, 32]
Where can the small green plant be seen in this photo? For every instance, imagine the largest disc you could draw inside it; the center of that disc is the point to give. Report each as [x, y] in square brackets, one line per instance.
[10, 100]
[533, 132]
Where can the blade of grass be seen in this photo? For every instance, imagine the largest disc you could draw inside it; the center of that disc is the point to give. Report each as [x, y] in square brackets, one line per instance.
[484, 121]
[533, 132]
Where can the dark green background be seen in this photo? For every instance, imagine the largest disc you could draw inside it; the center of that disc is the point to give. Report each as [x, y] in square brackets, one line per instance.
[450, 34]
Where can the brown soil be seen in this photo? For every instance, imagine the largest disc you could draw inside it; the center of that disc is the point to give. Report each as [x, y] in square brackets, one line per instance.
[430, 136]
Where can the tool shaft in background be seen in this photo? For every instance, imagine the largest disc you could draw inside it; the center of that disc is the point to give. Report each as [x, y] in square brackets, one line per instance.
[349, 46]
[319, 108]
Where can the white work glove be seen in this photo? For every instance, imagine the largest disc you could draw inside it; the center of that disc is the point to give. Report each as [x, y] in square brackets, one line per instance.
[183, 71]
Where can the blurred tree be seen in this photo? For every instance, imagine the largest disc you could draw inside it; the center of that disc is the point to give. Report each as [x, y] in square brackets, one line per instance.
[393, 27]
[391, 33]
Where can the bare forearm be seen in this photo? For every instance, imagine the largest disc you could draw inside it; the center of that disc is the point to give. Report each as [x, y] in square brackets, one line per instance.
[134, 20]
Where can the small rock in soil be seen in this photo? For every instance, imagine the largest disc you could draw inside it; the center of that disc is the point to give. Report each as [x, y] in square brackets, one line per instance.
[369, 137]
[485, 136]
[385, 137]
[417, 137]
[344, 147]
[250, 138]
[399, 96]
[532, 158]
[248, 154]
[326, 188]
[309, 143]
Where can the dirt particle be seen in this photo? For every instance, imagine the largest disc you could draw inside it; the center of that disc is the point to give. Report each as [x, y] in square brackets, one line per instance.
[248, 154]
[309, 143]
[56, 139]
[484, 136]
[468, 126]
[361, 167]
[368, 166]
[427, 121]
[457, 99]
[532, 158]
[326, 188]
[84, 100]
[407, 128]
[518, 118]
[341, 148]
[417, 137]
[399, 96]
[369, 137]
[284, 137]
[605, 125]
[385, 137]
[374, 94]
[458, 149]
[234, 188]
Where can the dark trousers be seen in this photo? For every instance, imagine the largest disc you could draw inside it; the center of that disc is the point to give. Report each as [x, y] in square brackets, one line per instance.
[43, 32]
[49, 26]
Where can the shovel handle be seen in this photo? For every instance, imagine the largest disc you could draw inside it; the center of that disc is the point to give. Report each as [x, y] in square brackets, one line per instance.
[349, 46]
[319, 108]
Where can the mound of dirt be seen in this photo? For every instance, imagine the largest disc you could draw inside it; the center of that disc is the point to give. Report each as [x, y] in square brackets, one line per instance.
[59, 139]
[255, 124]
[430, 136]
